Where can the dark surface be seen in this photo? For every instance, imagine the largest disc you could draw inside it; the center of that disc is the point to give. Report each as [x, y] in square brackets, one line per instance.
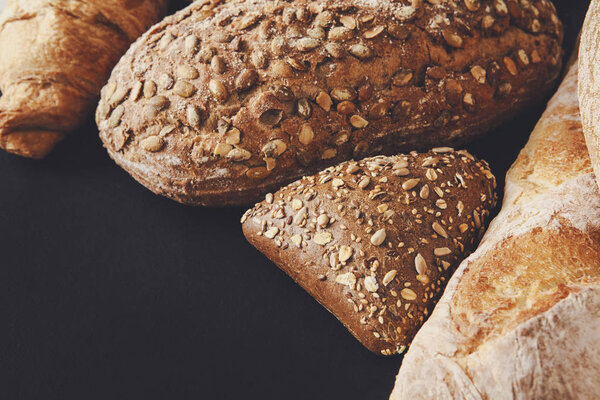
[110, 292]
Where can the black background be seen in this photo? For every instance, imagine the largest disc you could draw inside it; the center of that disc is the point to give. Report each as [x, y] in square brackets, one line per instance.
[110, 292]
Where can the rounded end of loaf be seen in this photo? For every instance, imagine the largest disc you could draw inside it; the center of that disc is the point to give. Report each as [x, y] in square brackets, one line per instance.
[31, 143]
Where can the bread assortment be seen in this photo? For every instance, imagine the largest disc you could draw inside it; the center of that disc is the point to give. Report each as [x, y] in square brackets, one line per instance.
[55, 56]
[520, 317]
[375, 241]
[589, 88]
[225, 101]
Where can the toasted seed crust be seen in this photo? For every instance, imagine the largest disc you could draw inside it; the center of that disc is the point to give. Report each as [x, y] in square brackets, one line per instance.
[373, 253]
[331, 80]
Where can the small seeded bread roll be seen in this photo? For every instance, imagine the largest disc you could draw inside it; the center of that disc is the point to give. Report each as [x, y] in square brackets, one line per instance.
[222, 103]
[375, 241]
[589, 84]
[520, 318]
[55, 56]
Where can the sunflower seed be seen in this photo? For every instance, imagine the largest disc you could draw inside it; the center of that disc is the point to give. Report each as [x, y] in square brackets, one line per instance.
[358, 122]
[410, 184]
[378, 238]
[345, 253]
[420, 264]
[442, 251]
[360, 51]
[374, 32]
[472, 5]
[184, 89]
[389, 277]
[149, 89]
[439, 230]
[307, 44]
[324, 101]
[348, 21]
[306, 134]
[346, 107]
[246, 79]
[408, 294]
[274, 148]
[452, 38]
[193, 115]
[217, 64]
[218, 90]
[190, 44]
[271, 117]
[340, 33]
[329, 154]
[335, 50]
[222, 149]
[115, 118]
[152, 143]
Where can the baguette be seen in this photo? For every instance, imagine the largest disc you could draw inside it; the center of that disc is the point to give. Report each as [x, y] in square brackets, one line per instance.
[589, 85]
[520, 319]
[375, 241]
[55, 56]
[226, 101]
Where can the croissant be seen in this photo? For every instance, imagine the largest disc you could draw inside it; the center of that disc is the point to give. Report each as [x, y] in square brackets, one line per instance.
[55, 56]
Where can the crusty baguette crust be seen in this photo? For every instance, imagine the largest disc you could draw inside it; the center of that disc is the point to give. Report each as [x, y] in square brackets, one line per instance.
[589, 83]
[375, 241]
[520, 317]
[225, 101]
[55, 55]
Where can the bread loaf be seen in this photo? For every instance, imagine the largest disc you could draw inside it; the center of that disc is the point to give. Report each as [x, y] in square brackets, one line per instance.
[375, 241]
[589, 87]
[226, 101]
[520, 318]
[55, 56]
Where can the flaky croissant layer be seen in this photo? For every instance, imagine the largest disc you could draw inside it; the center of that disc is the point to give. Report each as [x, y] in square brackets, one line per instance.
[55, 55]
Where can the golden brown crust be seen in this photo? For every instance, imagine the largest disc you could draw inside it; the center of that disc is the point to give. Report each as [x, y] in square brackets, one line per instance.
[56, 55]
[504, 288]
[589, 88]
[375, 241]
[225, 101]
[520, 318]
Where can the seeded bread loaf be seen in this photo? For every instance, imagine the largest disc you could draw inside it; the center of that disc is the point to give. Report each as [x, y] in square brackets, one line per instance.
[520, 318]
[55, 56]
[589, 86]
[375, 241]
[223, 102]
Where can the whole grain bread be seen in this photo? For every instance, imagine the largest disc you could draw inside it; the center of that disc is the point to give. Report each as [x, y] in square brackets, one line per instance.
[55, 56]
[375, 241]
[225, 101]
[520, 318]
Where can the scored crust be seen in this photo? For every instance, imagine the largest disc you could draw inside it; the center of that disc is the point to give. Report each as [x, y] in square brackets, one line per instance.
[225, 101]
[375, 241]
[520, 319]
